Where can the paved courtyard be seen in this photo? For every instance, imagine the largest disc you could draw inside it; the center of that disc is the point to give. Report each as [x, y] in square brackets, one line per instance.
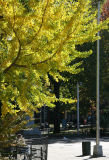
[71, 149]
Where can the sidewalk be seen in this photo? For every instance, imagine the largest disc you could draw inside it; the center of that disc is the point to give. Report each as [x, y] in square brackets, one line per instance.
[71, 149]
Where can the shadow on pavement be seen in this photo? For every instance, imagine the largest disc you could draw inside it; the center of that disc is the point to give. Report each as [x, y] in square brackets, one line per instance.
[89, 157]
[64, 140]
[105, 139]
[74, 140]
[93, 158]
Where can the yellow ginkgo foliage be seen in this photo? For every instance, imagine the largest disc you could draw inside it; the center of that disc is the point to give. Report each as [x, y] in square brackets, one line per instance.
[38, 39]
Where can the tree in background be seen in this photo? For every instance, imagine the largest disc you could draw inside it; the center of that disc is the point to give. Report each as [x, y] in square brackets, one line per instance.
[105, 69]
[105, 11]
[88, 79]
[88, 76]
[39, 41]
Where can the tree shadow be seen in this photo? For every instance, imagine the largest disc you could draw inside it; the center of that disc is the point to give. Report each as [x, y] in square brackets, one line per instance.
[105, 139]
[74, 140]
[89, 157]
[64, 140]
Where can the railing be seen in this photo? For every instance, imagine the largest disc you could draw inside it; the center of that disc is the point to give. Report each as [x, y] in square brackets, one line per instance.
[35, 149]
[38, 148]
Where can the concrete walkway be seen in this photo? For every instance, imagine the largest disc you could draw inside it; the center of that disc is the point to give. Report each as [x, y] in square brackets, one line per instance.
[71, 149]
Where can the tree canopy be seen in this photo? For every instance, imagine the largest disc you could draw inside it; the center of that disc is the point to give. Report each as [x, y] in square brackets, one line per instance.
[38, 39]
[88, 76]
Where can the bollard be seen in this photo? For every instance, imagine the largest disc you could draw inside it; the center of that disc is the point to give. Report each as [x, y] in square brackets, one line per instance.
[86, 149]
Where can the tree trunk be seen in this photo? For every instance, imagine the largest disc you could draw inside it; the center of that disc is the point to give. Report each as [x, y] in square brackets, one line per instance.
[56, 109]
[56, 114]
[0, 109]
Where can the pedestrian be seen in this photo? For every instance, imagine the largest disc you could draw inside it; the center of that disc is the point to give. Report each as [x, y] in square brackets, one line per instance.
[22, 148]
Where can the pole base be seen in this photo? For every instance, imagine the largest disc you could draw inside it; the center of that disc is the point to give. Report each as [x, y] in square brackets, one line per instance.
[97, 152]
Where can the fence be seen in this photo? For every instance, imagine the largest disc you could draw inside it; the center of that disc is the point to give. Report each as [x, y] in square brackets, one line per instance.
[35, 149]
[38, 148]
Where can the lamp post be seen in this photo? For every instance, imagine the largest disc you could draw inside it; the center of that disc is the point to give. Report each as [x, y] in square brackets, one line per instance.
[98, 148]
[78, 119]
[77, 108]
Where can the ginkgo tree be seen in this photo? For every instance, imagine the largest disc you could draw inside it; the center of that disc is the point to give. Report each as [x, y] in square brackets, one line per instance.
[37, 42]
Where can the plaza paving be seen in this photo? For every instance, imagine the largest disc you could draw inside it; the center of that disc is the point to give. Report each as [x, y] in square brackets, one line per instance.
[71, 149]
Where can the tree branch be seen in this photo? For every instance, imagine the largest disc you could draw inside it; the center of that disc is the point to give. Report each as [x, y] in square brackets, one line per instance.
[13, 14]
[67, 27]
[20, 66]
[60, 46]
[44, 61]
[18, 54]
[40, 25]
[13, 63]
